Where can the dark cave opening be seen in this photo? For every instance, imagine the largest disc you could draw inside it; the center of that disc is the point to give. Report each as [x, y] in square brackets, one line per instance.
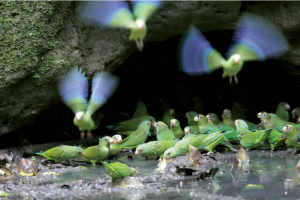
[153, 77]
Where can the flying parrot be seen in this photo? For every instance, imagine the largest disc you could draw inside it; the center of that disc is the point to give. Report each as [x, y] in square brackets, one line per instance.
[95, 154]
[254, 39]
[117, 14]
[118, 170]
[282, 111]
[168, 115]
[62, 152]
[163, 132]
[73, 89]
[137, 137]
[115, 148]
[293, 136]
[176, 129]
[248, 139]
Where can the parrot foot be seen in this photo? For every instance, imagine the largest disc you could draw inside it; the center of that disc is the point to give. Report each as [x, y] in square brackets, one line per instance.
[230, 80]
[139, 44]
[89, 135]
[82, 134]
[236, 79]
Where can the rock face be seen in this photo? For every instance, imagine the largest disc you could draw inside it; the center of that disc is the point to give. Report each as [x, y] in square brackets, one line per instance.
[40, 41]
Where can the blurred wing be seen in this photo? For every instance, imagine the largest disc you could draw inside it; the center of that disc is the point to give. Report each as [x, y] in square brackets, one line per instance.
[257, 39]
[107, 13]
[104, 85]
[144, 9]
[73, 89]
[196, 54]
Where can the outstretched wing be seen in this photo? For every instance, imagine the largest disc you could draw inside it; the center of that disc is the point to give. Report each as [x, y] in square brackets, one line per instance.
[104, 85]
[196, 54]
[73, 89]
[257, 39]
[107, 13]
[144, 9]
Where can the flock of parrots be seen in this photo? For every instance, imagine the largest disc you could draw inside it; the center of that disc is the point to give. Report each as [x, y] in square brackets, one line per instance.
[254, 39]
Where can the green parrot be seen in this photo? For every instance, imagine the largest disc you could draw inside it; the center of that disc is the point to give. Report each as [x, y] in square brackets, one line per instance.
[176, 129]
[248, 139]
[282, 111]
[95, 154]
[117, 14]
[137, 137]
[255, 39]
[275, 138]
[296, 113]
[168, 115]
[276, 120]
[191, 130]
[268, 123]
[211, 141]
[206, 126]
[73, 89]
[140, 110]
[190, 117]
[118, 170]
[163, 132]
[129, 126]
[154, 148]
[293, 136]
[233, 136]
[62, 152]
[115, 148]
[229, 119]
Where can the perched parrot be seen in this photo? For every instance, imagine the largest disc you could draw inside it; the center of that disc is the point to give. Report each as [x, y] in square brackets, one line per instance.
[211, 141]
[191, 130]
[254, 39]
[154, 148]
[248, 139]
[293, 136]
[95, 154]
[62, 152]
[268, 123]
[282, 111]
[163, 132]
[276, 120]
[137, 137]
[73, 89]
[296, 113]
[275, 138]
[168, 115]
[190, 117]
[229, 119]
[140, 110]
[115, 148]
[118, 14]
[206, 126]
[118, 170]
[176, 129]
[233, 136]
[129, 126]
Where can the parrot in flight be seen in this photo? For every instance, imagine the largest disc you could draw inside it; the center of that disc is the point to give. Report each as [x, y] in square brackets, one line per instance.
[254, 39]
[118, 14]
[73, 89]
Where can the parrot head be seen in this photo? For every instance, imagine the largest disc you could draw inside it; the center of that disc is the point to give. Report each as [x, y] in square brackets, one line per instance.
[139, 150]
[284, 105]
[117, 139]
[140, 24]
[187, 130]
[160, 126]
[145, 125]
[79, 116]
[171, 153]
[240, 124]
[288, 128]
[263, 115]
[171, 112]
[295, 112]
[106, 140]
[236, 58]
[226, 113]
[212, 117]
[174, 123]
[200, 118]
[78, 152]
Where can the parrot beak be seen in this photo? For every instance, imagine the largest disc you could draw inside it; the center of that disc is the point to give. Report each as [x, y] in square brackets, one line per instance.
[173, 125]
[83, 154]
[111, 141]
[287, 107]
[285, 129]
[186, 132]
[136, 152]
[235, 122]
[186, 115]
[294, 116]
[120, 140]
[236, 59]
[208, 117]
[259, 115]
[139, 24]
[196, 119]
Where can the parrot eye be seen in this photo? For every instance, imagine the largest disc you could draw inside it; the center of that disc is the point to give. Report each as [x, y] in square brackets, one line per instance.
[190, 129]
[148, 123]
[141, 150]
[79, 153]
[168, 153]
[106, 140]
[282, 105]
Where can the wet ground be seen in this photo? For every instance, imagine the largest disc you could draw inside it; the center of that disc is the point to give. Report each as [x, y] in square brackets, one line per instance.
[267, 177]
